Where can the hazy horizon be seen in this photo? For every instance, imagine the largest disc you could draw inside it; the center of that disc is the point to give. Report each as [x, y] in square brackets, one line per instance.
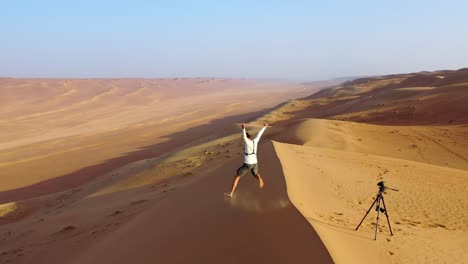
[261, 40]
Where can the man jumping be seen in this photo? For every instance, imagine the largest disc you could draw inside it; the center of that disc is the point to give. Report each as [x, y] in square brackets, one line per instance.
[250, 159]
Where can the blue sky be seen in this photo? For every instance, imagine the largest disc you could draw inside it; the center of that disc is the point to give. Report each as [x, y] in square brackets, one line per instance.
[300, 40]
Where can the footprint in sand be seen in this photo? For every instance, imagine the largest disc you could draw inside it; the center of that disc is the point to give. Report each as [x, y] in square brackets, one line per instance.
[39, 220]
[435, 225]
[97, 231]
[66, 230]
[138, 202]
[411, 222]
[116, 213]
[18, 252]
[168, 190]
[153, 187]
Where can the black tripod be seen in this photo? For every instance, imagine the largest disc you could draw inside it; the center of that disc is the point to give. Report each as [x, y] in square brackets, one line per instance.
[379, 208]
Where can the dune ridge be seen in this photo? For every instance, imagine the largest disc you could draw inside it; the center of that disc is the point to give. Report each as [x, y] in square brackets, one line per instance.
[408, 130]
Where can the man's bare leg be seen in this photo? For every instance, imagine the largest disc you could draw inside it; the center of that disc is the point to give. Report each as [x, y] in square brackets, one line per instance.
[260, 181]
[234, 186]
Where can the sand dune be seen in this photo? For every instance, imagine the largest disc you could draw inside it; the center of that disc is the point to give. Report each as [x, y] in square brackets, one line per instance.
[334, 189]
[438, 145]
[127, 170]
[54, 127]
[169, 216]
[382, 101]
[412, 133]
[341, 162]
[91, 158]
[32, 107]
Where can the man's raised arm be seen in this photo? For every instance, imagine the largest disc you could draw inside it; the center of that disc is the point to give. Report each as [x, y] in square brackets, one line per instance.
[244, 135]
[260, 133]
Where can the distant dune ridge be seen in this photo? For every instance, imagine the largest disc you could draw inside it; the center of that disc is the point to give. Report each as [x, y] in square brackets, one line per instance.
[122, 170]
[420, 98]
[54, 108]
[410, 130]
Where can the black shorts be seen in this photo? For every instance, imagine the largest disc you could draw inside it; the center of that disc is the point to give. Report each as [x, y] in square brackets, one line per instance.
[246, 167]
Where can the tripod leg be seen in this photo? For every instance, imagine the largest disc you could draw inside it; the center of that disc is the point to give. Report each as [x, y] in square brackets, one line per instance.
[372, 205]
[378, 214]
[388, 220]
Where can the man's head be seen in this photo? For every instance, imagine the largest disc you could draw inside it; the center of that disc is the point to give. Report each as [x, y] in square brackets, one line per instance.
[248, 136]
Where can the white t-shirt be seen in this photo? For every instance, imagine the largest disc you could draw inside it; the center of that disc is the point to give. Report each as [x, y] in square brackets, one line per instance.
[250, 147]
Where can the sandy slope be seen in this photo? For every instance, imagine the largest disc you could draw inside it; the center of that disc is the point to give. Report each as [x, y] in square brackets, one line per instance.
[74, 130]
[388, 101]
[145, 209]
[419, 146]
[180, 220]
[209, 229]
[438, 145]
[334, 188]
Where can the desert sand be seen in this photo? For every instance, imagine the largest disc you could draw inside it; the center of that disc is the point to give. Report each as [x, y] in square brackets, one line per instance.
[334, 188]
[413, 138]
[70, 131]
[147, 179]
[118, 162]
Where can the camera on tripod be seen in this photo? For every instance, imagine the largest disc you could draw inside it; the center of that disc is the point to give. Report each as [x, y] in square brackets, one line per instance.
[382, 187]
[380, 207]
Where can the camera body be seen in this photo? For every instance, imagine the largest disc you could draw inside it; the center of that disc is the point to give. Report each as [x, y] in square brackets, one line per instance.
[381, 186]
